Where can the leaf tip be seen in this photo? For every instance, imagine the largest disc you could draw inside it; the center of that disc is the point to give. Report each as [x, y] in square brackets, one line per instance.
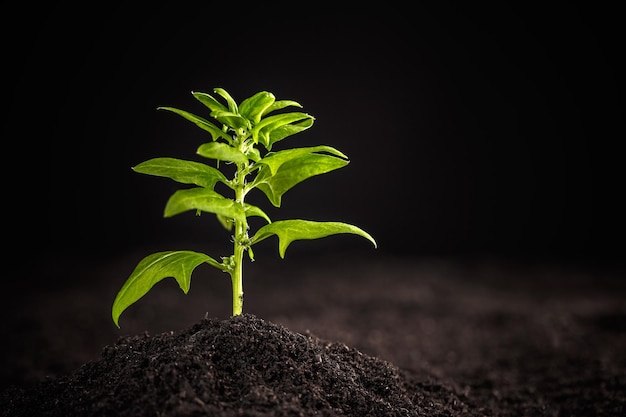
[116, 318]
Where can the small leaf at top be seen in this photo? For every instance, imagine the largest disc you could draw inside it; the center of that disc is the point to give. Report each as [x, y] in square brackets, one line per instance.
[261, 132]
[232, 120]
[253, 107]
[232, 104]
[202, 123]
[281, 104]
[209, 101]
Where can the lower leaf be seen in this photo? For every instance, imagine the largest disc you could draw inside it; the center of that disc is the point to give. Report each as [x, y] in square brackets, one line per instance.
[154, 268]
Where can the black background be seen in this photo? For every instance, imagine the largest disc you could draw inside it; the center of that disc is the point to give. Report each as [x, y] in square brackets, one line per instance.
[472, 131]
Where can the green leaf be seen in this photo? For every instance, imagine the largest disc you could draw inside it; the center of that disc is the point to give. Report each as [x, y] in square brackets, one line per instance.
[232, 120]
[204, 200]
[186, 172]
[292, 172]
[285, 131]
[209, 101]
[210, 202]
[154, 268]
[200, 122]
[232, 104]
[274, 160]
[281, 104]
[253, 107]
[291, 230]
[222, 152]
[261, 132]
[251, 210]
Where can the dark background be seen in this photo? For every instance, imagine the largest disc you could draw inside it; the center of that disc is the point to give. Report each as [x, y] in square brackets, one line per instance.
[472, 132]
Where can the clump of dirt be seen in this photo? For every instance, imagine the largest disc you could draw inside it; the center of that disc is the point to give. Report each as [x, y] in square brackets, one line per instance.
[241, 366]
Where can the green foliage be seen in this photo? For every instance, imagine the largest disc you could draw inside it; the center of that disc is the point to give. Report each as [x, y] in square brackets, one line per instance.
[244, 139]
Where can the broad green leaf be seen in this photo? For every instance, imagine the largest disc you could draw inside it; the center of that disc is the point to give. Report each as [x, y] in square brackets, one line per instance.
[232, 120]
[154, 268]
[222, 152]
[210, 202]
[291, 230]
[209, 101]
[232, 104]
[186, 172]
[275, 159]
[204, 200]
[293, 172]
[285, 131]
[253, 107]
[261, 131]
[271, 122]
[281, 104]
[200, 122]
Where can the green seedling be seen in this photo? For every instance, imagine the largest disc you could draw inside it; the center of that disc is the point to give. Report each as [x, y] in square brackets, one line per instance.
[244, 144]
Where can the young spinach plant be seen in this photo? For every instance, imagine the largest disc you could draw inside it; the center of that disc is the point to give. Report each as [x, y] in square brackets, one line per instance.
[244, 141]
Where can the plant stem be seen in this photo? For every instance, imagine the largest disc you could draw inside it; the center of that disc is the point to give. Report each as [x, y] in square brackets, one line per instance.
[239, 247]
[237, 273]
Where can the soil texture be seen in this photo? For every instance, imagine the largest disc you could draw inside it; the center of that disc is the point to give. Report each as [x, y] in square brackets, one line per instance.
[347, 337]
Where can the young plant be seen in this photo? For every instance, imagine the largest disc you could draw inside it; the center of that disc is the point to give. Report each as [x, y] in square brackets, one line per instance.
[244, 141]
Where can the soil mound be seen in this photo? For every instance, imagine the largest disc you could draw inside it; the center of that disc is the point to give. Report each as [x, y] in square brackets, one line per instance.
[241, 366]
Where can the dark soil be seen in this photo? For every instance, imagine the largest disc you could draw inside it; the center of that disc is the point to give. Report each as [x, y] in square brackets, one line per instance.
[378, 337]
